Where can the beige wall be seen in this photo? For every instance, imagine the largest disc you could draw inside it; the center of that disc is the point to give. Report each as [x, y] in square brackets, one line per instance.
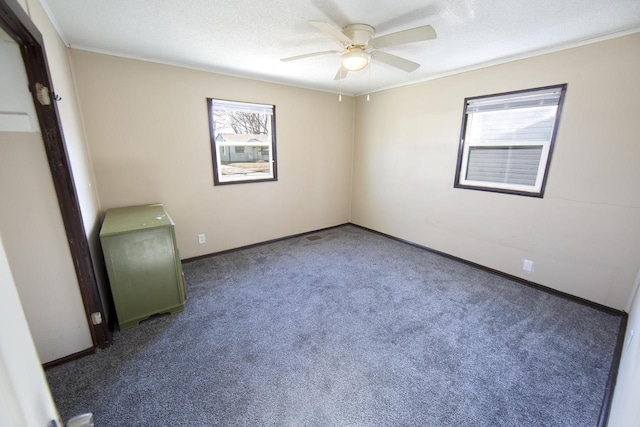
[148, 132]
[583, 236]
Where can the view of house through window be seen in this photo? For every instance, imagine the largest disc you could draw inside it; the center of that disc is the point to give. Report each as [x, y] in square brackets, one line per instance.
[243, 142]
[507, 140]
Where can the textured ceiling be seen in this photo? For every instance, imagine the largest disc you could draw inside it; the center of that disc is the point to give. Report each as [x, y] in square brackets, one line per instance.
[248, 37]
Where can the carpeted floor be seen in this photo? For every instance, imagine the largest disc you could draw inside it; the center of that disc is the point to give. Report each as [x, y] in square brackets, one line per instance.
[350, 329]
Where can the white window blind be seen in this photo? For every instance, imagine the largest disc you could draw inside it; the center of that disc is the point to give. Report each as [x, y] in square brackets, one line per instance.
[534, 98]
[512, 127]
[507, 138]
[513, 165]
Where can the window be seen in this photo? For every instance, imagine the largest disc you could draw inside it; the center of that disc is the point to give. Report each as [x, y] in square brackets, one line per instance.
[243, 141]
[507, 140]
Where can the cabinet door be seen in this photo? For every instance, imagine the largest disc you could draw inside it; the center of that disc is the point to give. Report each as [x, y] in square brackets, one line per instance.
[142, 272]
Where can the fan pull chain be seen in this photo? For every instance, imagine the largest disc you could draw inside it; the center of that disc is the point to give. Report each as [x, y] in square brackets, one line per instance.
[369, 90]
[340, 85]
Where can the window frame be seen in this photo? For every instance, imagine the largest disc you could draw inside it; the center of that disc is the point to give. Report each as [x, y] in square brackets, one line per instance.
[545, 158]
[216, 162]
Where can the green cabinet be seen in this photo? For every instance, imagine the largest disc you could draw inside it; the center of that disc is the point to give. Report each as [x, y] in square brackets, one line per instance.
[143, 263]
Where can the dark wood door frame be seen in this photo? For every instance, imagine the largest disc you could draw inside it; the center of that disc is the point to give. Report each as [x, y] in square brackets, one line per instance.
[17, 24]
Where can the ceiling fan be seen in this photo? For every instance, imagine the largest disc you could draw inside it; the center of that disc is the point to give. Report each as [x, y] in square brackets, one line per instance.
[360, 46]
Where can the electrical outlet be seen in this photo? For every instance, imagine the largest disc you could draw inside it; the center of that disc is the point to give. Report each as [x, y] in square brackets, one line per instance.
[527, 265]
[201, 239]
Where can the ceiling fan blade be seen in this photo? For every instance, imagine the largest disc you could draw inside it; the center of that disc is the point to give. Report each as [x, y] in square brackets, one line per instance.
[309, 55]
[417, 34]
[395, 61]
[341, 74]
[332, 31]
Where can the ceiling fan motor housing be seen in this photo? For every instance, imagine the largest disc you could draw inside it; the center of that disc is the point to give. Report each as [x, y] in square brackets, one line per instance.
[360, 34]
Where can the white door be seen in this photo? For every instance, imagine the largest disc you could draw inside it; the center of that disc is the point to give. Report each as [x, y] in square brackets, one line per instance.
[25, 399]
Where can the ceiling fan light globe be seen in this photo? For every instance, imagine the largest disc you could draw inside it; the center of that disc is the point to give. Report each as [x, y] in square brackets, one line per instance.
[355, 60]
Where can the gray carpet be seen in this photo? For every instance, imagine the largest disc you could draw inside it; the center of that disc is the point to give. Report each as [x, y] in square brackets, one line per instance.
[351, 329]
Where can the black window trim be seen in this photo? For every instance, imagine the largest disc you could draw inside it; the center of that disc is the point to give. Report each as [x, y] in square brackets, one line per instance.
[540, 194]
[212, 127]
